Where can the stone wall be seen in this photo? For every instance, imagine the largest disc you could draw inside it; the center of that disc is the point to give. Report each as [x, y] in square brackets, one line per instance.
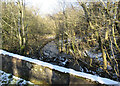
[39, 74]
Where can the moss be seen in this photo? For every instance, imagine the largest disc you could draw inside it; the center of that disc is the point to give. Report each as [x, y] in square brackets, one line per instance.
[78, 77]
[87, 80]
[39, 82]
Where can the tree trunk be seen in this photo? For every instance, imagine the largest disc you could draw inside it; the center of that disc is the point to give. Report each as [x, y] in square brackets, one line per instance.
[118, 18]
[103, 54]
[21, 28]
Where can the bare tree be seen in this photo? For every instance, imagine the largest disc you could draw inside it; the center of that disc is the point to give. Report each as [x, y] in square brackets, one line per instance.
[22, 30]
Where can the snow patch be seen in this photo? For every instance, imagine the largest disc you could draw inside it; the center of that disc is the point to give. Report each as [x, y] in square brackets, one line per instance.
[63, 69]
[6, 78]
[93, 55]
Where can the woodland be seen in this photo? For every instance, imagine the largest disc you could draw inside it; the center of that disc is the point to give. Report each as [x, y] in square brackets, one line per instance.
[87, 31]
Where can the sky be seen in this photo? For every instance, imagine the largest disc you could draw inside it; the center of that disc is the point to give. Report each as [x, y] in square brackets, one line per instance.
[50, 6]
[46, 6]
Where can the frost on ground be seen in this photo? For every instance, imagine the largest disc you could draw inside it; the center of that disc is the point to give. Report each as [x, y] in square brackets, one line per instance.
[63, 69]
[6, 79]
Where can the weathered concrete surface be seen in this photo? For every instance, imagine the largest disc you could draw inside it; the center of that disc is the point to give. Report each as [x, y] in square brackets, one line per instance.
[39, 74]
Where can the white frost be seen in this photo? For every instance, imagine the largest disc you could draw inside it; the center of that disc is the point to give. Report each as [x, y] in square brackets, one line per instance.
[63, 69]
[92, 55]
[5, 79]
